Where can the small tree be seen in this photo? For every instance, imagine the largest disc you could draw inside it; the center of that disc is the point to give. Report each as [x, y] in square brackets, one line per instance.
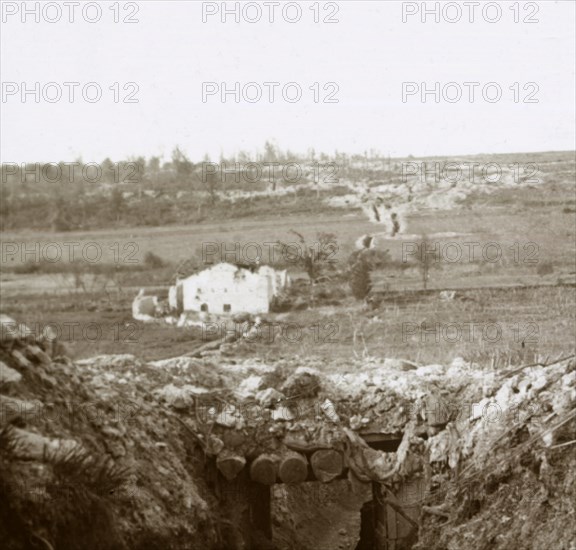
[360, 280]
[317, 259]
[153, 261]
[60, 216]
[427, 259]
[182, 165]
[362, 263]
[108, 171]
[271, 155]
[7, 206]
[117, 204]
[212, 187]
[141, 176]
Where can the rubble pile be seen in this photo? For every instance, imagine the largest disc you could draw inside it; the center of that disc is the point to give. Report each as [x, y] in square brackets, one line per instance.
[152, 430]
[505, 477]
[280, 422]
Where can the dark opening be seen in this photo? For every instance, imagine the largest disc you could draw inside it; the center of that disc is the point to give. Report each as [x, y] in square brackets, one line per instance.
[204, 307]
[367, 527]
[388, 443]
[260, 510]
[227, 308]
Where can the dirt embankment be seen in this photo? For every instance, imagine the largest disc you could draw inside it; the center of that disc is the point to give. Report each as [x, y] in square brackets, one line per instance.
[84, 465]
[113, 452]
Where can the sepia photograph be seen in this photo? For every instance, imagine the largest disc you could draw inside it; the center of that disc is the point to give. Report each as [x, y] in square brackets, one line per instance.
[288, 275]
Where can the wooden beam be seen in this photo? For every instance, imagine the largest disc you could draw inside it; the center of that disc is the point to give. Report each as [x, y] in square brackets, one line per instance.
[230, 464]
[327, 465]
[264, 469]
[293, 468]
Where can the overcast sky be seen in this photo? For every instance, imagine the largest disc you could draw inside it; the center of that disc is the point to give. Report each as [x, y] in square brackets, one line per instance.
[368, 53]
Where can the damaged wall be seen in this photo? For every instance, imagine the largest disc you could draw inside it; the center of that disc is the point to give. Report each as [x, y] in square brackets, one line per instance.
[228, 289]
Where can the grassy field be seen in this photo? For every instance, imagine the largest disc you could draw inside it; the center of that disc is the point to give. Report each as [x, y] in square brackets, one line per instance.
[491, 327]
[548, 224]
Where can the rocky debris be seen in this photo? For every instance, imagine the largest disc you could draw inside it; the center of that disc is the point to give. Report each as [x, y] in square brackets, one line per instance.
[12, 408]
[33, 446]
[11, 331]
[400, 364]
[249, 386]
[179, 398]
[298, 419]
[228, 417]
[304, 382]
[357, 421]
[269, 397]
[498, 456]
[110, 362]
[282, 413]
[8, 375]
[20, 359]
[328, 409]
[443, 416]
[327, 465]
[306, 410]
[37, 353]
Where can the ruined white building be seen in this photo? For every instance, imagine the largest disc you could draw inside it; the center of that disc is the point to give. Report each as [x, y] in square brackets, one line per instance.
[228, 289]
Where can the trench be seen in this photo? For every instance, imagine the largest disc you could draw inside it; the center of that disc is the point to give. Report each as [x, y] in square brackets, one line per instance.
[319, 514]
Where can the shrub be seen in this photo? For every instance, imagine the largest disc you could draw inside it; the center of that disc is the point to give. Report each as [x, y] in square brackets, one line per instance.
[153, 261]
[545, 269]
[360, 281]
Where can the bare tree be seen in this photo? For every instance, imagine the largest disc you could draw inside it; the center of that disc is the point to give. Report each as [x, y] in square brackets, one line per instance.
[317, 258]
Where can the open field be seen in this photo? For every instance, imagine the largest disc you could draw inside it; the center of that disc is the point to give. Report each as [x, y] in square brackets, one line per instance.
[550, 227]
[505, 326]
[543, 211]
[548, 224]
[517, 278]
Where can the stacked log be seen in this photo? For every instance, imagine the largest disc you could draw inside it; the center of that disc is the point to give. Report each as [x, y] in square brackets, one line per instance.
[264, 469]
[230, 464]
[293, 468]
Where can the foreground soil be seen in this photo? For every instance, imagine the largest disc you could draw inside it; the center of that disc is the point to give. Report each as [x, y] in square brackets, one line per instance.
[116, 452]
